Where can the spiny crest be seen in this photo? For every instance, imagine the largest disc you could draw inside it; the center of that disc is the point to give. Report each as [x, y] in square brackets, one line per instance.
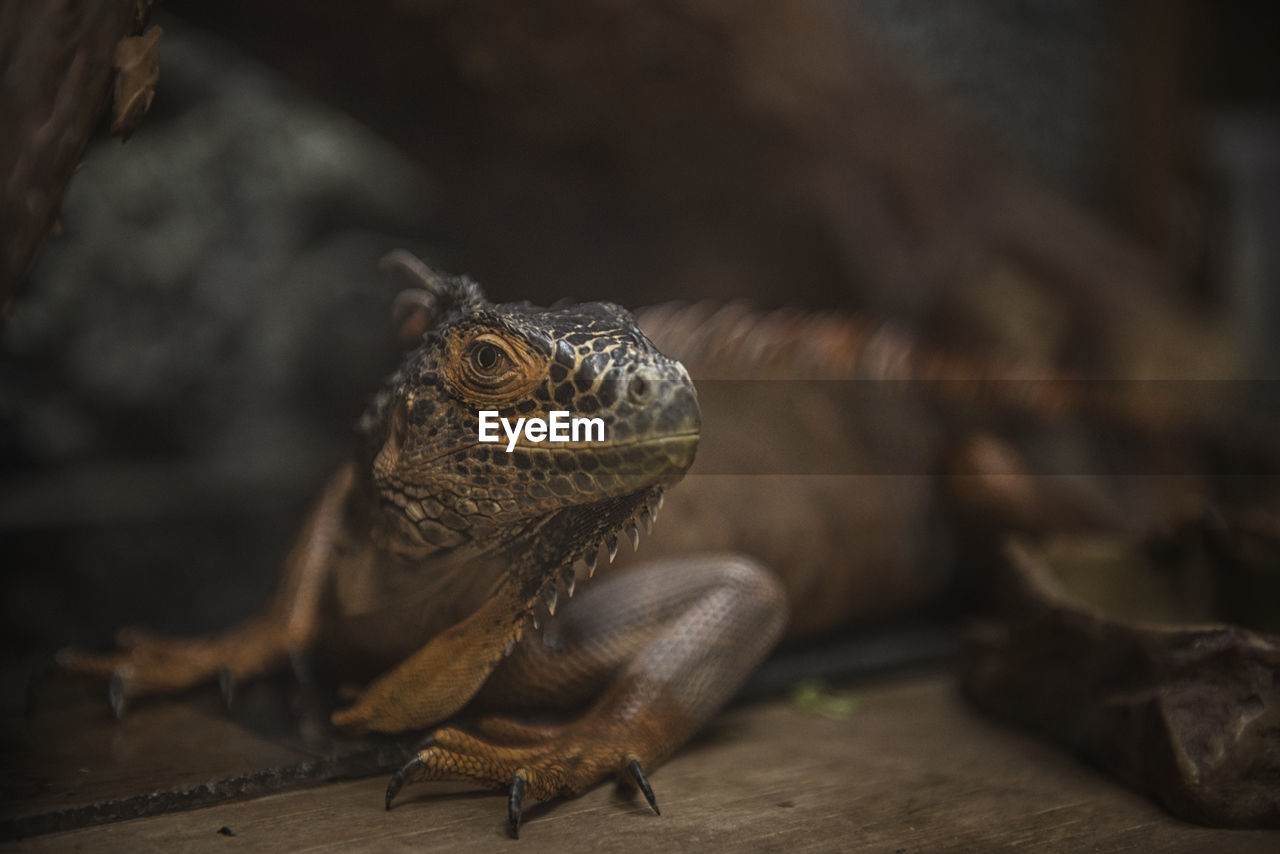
[566, 579]
[436, 297]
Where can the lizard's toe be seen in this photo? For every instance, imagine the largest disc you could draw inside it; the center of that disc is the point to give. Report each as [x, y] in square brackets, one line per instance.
[117, 696]
[148, 664]
[542, 762]
[515, 799]
[397, 781]
[636, 770]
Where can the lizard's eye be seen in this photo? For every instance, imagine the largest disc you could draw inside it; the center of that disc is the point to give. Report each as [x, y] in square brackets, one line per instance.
[491, 369]
[485, 357]
[488, 366]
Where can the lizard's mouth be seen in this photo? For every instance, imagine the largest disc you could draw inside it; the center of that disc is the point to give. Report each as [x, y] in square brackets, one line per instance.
[678, 449]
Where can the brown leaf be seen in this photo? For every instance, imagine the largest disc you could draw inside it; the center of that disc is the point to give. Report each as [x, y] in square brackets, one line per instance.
[137, 62]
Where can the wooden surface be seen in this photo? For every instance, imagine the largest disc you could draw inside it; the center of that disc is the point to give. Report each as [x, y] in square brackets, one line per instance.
[911, 769]
[65, 762]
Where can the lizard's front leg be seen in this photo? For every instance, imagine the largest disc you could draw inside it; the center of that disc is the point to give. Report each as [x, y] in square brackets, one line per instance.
[443, 676]
[153, 664]
[656, 651]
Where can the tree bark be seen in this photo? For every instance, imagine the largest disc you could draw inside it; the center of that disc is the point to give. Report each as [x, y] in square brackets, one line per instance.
[57, 65]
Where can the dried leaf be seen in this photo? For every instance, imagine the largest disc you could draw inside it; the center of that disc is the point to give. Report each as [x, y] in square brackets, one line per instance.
[137, 64]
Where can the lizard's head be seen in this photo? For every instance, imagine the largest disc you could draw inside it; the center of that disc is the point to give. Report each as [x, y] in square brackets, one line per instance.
[436, 481]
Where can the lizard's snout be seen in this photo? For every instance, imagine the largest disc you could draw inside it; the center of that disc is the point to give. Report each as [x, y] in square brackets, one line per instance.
[677, 411]
[668, 398]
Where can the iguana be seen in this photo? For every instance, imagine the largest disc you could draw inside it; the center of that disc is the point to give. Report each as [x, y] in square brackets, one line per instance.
[427, 558]
[439, 561]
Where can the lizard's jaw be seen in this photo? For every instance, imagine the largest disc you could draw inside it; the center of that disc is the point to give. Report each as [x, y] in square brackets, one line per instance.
[591, 533]
[628, 480]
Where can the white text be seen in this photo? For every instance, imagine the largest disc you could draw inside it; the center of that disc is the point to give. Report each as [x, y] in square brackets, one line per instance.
[560, 427]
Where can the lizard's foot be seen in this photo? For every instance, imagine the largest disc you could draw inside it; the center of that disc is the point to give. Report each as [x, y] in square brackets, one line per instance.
[655, 653]
[149, 664]
[540, 761]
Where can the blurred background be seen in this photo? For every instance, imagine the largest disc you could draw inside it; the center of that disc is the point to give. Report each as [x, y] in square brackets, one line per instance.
[1073, 182]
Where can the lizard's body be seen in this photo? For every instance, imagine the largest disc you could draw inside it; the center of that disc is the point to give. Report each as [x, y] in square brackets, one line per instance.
[434, 568]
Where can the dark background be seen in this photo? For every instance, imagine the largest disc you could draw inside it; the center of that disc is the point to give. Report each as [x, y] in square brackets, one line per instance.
[1076, 181]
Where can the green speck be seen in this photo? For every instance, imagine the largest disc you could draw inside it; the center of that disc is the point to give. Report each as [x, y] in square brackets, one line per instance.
[815, 697]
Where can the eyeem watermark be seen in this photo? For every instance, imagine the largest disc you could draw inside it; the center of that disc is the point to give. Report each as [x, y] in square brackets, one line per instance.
[560, 427]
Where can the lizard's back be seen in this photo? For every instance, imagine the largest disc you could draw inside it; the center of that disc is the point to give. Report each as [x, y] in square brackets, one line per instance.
[828, 482]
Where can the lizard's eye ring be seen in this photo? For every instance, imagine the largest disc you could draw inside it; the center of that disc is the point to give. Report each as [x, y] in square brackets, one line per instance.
[489, 365]
[491, 369]
[485, 357]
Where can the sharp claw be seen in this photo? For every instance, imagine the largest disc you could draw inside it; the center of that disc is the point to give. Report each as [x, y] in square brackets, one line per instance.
[227, 684]
[637, 774]
[514, 799]
[115, 695]
[398, 779]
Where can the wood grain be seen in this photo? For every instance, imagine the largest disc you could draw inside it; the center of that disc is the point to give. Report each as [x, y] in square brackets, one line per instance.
[912, 769]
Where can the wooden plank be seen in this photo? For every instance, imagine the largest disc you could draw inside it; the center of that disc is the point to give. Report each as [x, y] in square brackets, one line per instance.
[913, 768]
[69, 763]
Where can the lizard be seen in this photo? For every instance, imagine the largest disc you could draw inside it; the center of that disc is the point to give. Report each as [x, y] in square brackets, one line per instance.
[427, 557]
[450, 566]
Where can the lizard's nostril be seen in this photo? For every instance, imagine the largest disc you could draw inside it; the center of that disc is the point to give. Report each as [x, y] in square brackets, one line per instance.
[640, 389]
